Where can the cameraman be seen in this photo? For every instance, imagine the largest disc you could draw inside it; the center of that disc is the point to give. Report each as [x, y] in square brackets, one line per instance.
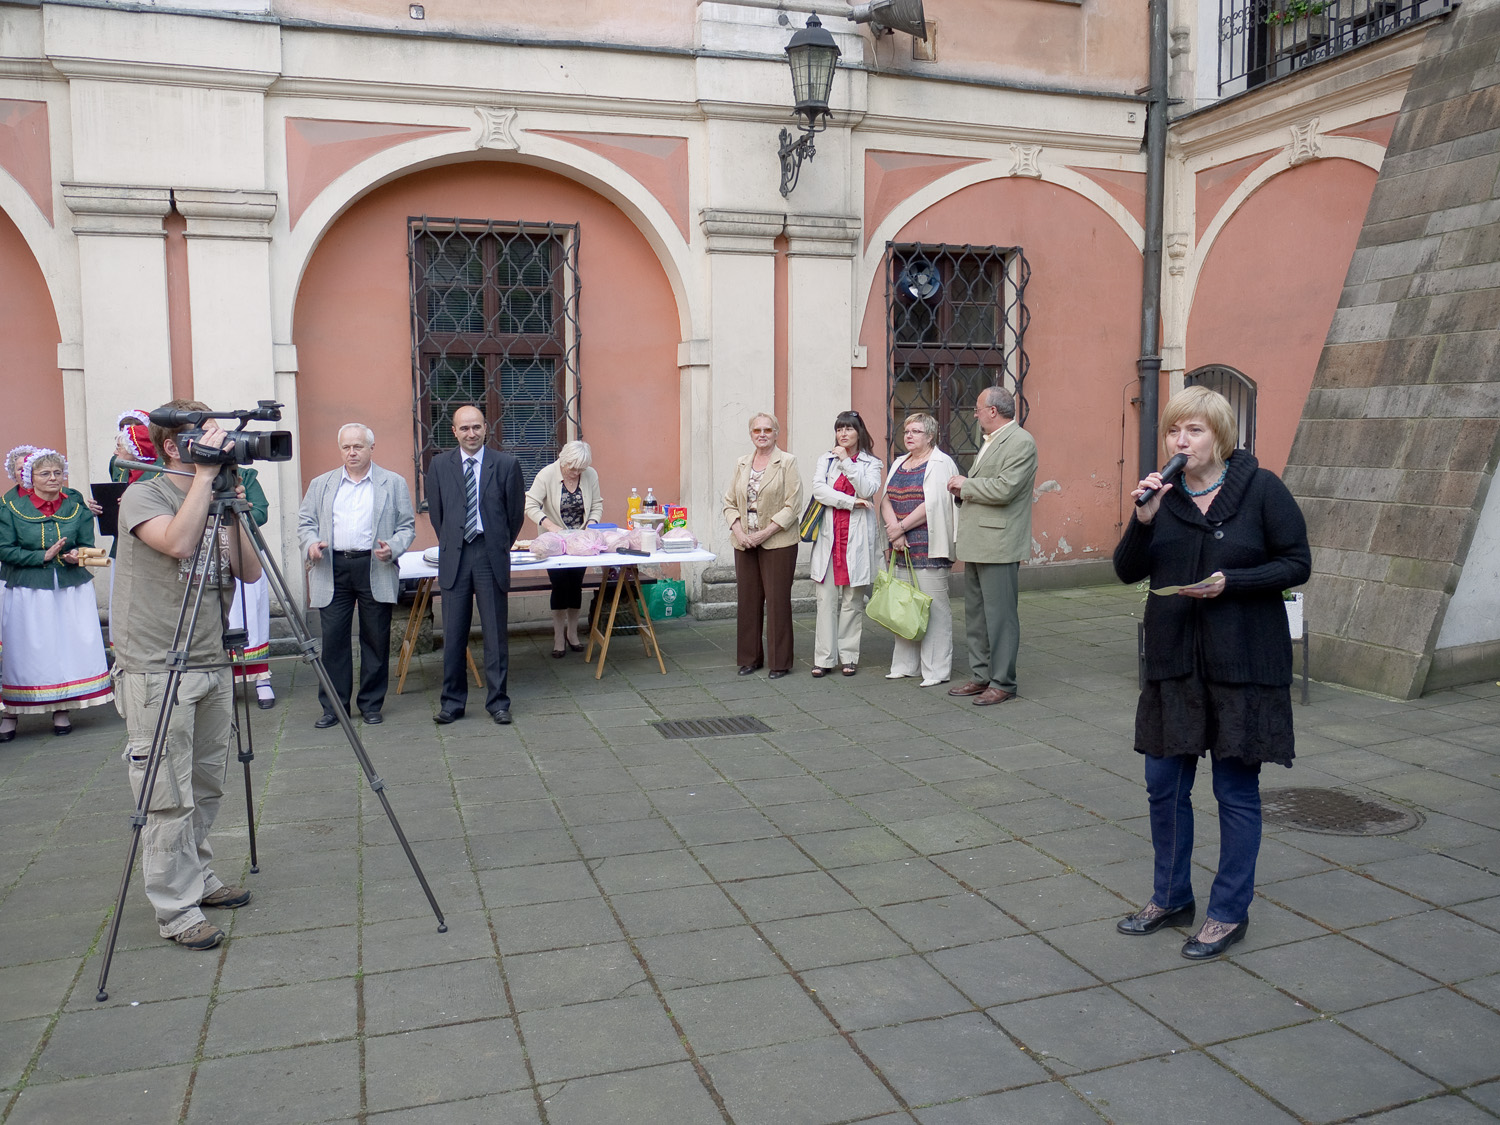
[162, 522]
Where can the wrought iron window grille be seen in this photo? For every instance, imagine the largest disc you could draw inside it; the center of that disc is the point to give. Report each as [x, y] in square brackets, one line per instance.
[1238, 388]
[494, 323]
[1262, 40]
[956, 322]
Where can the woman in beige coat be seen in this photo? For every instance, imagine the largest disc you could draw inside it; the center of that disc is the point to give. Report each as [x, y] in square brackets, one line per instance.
[565, 497]
[763, 507]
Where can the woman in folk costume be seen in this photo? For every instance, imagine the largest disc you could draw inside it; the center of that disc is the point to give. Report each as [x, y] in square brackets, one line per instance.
[251, 608]
[132, 443]
[54, 655]
[13, 461]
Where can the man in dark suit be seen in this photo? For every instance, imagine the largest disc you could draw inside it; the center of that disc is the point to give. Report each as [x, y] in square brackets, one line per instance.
[476, 500]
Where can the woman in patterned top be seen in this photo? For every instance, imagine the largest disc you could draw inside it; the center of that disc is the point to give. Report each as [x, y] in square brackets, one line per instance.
[920, 518]
[54, 651]
[565, 497]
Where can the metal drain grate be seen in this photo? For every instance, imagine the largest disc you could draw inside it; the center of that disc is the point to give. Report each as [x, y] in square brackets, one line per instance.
[711, 728]
[1334, 813]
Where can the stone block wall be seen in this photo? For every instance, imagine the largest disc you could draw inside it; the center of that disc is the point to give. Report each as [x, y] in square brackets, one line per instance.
[1399, 437]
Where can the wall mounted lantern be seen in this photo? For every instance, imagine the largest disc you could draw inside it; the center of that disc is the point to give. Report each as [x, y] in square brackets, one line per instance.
[812, 54]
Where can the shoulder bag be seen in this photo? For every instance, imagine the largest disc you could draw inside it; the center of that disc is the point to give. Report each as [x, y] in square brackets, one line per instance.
[899, 605]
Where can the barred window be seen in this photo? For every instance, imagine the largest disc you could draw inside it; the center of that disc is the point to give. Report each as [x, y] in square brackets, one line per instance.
[956, 323]
[495, 325]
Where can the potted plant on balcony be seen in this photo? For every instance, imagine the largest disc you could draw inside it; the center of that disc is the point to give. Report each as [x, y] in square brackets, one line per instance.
[1297, 25]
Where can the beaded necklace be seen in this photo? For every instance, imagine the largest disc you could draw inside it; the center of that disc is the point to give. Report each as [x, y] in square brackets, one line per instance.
[1210, 488]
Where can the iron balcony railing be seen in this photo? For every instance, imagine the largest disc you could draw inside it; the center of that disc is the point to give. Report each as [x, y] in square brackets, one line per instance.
[1261, 40]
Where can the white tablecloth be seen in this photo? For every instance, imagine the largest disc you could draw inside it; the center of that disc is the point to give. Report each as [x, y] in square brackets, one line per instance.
[414, 566]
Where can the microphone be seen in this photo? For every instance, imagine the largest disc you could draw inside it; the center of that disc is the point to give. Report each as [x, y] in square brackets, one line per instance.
[1168, 471]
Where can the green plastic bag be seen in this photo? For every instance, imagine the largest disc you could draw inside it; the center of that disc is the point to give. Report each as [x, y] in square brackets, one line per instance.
[666, 598]
[898, 605]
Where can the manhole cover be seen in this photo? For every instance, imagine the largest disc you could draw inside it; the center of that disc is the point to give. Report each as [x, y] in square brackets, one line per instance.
[711, 728]
[1334, 813]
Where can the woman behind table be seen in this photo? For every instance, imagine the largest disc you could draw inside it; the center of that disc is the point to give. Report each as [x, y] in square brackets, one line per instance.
[846, 483]
[763, 508]
[1218, 657]
[920, 519]
[565, 497]
[252, 603]
[54, 652]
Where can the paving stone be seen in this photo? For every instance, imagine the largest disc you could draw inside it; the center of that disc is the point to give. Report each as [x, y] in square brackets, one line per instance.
[1059, 900]
[1341, 899]
[290, 1016]
[1017, 968]
[648, 1096]
[708, 956]
[1213, 1002]
[994, 865]
[940, 1059]
[22, 941]
[19, 1040]
[554, 925]
[1332, 973]
[722, 827]
[878, 993]
[1433, 1111]
[817, 816]
[746, 1013]
[1182, 1087]
[443, 1064]
[1086, 1030]
[1440, 944]
[317, 1083]
[114, 1039]
[1435, 878]
[829, 939]
[648, 871]
[598, 1038]
[790, 896]
[1322, 1072]
[935, 834]
[137, 1097]
[1113, 956]
[437, 994]
[629, 837]
[1039, 816]
[940, 923]
[1436, 1032]
[752, 859]
[807, 1083]
[649, 913]
[1487, 1095]
[518, 849]
[574, 976]
[851, 846]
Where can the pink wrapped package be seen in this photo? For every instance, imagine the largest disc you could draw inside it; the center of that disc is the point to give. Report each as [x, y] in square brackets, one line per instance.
[585, 542]
[547, 544]
[614, 540]
[679, 538]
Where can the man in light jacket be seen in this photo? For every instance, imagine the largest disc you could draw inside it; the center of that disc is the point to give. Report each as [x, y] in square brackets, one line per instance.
[354, 524]
[994, 536]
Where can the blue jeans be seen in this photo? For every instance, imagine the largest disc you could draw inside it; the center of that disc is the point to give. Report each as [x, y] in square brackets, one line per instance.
[1169, 787]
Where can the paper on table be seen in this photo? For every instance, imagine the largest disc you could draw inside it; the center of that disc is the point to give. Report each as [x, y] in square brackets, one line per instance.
[1209, 581]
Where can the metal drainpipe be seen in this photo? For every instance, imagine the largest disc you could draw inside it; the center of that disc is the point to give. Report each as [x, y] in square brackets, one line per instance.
[1148, 366]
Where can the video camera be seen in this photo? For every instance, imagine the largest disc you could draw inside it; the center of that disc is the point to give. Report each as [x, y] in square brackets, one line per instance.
[242, 447]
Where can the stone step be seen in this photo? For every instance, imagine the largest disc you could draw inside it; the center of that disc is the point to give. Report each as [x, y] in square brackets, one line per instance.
[723, 611]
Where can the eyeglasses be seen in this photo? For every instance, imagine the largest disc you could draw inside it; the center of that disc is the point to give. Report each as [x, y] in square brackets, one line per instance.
[47, 474]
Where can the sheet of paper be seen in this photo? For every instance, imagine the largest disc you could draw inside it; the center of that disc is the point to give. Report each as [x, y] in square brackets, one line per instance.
[1209, 581]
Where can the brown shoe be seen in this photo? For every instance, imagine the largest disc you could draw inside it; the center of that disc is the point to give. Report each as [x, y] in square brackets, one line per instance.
[970, 688]
[990, 696]
[226, 898]
[204, 935]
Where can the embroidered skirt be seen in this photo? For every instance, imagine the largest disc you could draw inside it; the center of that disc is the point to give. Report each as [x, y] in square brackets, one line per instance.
[258, 610]
[54, 652]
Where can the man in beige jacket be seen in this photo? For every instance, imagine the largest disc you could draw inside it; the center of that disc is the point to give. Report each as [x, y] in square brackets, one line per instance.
[994, 535]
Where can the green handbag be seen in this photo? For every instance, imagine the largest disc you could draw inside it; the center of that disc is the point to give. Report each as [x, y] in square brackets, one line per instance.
[898, 605]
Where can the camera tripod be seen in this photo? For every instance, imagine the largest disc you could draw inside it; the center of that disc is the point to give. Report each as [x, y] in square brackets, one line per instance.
[227, 511]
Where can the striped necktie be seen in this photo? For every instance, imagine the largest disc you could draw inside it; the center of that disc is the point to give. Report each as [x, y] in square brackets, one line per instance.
[471, 498]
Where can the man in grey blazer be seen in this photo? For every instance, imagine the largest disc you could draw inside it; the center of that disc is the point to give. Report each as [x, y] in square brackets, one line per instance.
[994, 536]
[354, 524]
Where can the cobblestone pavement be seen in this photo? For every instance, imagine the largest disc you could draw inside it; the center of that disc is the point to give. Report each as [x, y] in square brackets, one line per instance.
[892, 907]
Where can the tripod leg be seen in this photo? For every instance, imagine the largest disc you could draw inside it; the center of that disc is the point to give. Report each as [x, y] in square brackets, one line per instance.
[246, 756]
[309, 648]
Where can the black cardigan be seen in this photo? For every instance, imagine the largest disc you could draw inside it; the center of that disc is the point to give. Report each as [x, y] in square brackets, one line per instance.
[1255, 534]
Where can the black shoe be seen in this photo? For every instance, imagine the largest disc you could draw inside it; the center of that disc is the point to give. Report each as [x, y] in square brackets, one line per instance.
[445, 717]
[371, 718]
[574, 648]
[265, 702]
[323, 722]
[1195, 950]
[750, 669]
[502, 716]
[778, 674]
[1136, 925]
[8, 735]
[559, 653]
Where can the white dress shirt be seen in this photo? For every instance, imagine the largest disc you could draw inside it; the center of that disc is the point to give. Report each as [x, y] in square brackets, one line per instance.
[354, 513]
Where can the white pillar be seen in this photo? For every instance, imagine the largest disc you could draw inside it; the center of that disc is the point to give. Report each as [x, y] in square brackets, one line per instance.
[126, 350]
[732, 375]
[820, 329]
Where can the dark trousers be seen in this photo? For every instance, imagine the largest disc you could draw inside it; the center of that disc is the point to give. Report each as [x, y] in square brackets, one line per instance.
[475, 581]
[764, 579]
[992, 622]
[1169, 788]
[351, 588]
[567, 588]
